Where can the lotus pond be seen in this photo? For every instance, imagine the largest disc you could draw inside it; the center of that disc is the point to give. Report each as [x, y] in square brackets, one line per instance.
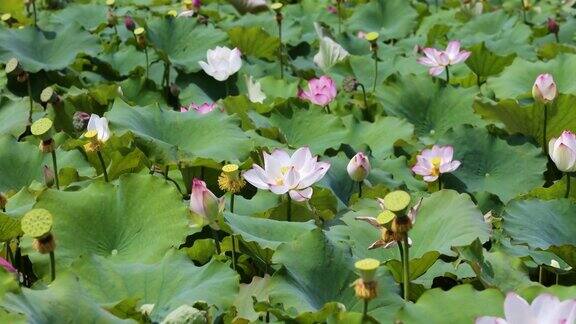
[313, 161]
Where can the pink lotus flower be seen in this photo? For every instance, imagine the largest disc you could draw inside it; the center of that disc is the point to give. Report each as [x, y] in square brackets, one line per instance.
[332, 9]
[544, 88]
[7, 265]
[359, 167]
[545, 309]
[320, 91]
[562, 151]
[283, 173]
[201, 109]
[361, 34]
[438, 60]
[204, 203]
[433, 162]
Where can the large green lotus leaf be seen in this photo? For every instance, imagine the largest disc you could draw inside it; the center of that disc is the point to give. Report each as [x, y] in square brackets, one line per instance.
[541, 223]
[312, 127]
[139, 218]
[461, 304]
[13, 116]
[63, 302]
[169, 136]
[517, 79]
[184, 41]
[491, 164]
[23, 163]
[126, 59]
[446, 219]
[380, 136]
[528, 120]
[319, 270]
[88, 16]
[268, 233]
[432, 109]
[255, 41]
[485, 63]
[390, 18]
[38, 50]
[168, 284]
[562, 292]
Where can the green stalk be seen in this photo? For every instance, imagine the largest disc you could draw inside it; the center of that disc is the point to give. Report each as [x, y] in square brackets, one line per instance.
[52, 266]
[30, 99]
[567, 185]
[447, 75]
[406, 267]
[35, 14]
[280, 49]
[166, 172]
[375, 55]
[544, 130]
[338, 5]
[289, 208]
[540, 274]
[146, 53]
[359, 189]
[55, 164]
[215, 236]
[327, 109]
[101, 158]
[365, 310]
[232, 236]
[364, 94]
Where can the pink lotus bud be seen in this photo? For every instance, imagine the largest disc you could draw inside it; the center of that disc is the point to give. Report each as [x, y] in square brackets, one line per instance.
[359, 167]
[48, 176]
[7, 265]
[562, 151]
[544, 89]
[332, 9]
[197, 4]
[204, 203]
[129, 23]
[320, 91]
[553, 27]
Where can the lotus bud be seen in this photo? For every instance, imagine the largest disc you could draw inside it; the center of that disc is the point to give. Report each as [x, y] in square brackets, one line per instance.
[197, 4]
[359, 167]
[553, 27]
[129, 23]
[562, 151]
[544, 89]
[48, 176]
[204, 203]
[80, 121]
[230, 179]
[140, 34]
[350, 84]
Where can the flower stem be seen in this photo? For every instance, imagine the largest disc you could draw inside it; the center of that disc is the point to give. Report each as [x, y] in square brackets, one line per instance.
[101, 158]
[227, 87]
[216, 242]
[146, 54]
[567, 185]
[544, 146]
[406, 267]
[523, 11]
[55, 164]
[52, 266]
[365, 309]
[35, 14]
[359, 189]
[166, 172]
[232, 236]
[30, 99]
[540, 274]
[375, 55]
[339, 10]
[327, 109]
[281, 47]
[364, 94]
[9, 254]
[447, 75]
[289, 208]
[439, 182]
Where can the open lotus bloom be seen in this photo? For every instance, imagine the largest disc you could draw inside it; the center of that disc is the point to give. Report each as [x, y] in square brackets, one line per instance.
[283, 173]
[562, 151]
[222, 62]
[200, 109]
[204, 203]
[255, 93]
[545, 309]
[98, 125]
[359, 167]
[544, 88]
[435, 161]
[438, 60]
[320, 91]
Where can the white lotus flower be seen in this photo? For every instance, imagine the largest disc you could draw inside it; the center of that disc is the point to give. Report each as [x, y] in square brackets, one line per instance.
[283, 173]
[562, 151]
[329, 52]
[222, 62]
[255, 93]
[545, 309]
[99, 125]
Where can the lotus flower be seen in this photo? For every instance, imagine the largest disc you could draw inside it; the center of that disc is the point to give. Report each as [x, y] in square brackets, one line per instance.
[439, 60]
[562, 151]
[359, 167]
[545, 309]
[283, 173]
[204, 203]
[433, 162]
[320, 91]
[99, 125]
[200, 109]
[255, 93]
[222, 62]
[544, 88]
